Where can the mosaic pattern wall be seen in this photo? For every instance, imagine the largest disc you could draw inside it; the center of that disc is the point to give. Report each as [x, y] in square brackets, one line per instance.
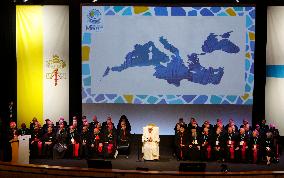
[246, 98]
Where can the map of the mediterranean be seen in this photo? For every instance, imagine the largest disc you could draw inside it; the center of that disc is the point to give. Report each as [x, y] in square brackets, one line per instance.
[172, 68]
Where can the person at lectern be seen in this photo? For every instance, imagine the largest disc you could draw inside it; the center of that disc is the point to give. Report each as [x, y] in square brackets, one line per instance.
[13, 139]
[150, 139]
[12, 132]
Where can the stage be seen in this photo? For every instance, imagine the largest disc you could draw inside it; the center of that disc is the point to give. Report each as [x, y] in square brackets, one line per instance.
[165, 164]
[167, 161]
[130, 167]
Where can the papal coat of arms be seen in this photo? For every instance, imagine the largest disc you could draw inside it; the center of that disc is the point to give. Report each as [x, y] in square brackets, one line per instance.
[56, 65]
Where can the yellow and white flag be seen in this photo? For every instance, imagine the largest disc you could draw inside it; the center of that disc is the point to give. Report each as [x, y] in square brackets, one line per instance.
[42, 35]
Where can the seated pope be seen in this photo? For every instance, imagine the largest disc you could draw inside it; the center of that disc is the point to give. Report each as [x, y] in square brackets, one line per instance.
[150, 139]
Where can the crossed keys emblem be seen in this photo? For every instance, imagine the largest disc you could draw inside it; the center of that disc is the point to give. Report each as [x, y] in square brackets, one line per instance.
[56, 64]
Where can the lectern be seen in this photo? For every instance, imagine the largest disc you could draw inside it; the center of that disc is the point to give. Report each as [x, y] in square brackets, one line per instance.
[23, 151]
[15, 149]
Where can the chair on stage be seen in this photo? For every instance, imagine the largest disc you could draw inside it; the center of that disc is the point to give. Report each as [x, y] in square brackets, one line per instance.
[124, 149]
[150, 140]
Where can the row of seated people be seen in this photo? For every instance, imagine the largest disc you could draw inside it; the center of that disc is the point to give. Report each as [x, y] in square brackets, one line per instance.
[226, 143]
[191, 141]
[84, 122]
[94, 140]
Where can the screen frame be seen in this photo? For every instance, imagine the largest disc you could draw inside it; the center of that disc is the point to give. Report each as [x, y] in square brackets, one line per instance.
[246, 99]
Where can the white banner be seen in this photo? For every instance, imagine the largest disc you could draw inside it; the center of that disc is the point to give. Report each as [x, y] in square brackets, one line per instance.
[275, 36]
[274, 102]
[56, 62]
[274, 95]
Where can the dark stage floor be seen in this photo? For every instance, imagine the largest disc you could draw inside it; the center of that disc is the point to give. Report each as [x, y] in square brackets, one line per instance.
[166, 163]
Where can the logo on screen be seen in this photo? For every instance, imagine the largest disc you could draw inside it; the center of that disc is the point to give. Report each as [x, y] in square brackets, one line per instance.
[94, 17]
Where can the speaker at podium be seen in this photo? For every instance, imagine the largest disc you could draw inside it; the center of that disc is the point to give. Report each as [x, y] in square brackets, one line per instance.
[192, 167]
[99, 164]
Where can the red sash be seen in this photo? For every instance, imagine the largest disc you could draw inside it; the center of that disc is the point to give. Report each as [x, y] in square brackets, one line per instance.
[255, 154]
[39, 146]
[76, 150]
[208, 151]
[244, 151]
[100, 148]
[109, 148]
[232, 150]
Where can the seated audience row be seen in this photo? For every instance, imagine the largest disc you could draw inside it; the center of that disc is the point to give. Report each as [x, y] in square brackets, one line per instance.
[191, 141]
[226, 143]
[61, 141]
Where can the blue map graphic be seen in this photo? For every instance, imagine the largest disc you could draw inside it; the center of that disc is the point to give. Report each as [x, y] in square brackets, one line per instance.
[173, 69]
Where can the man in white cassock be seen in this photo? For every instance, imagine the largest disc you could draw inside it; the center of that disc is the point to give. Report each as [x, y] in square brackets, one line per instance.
[150, 139]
